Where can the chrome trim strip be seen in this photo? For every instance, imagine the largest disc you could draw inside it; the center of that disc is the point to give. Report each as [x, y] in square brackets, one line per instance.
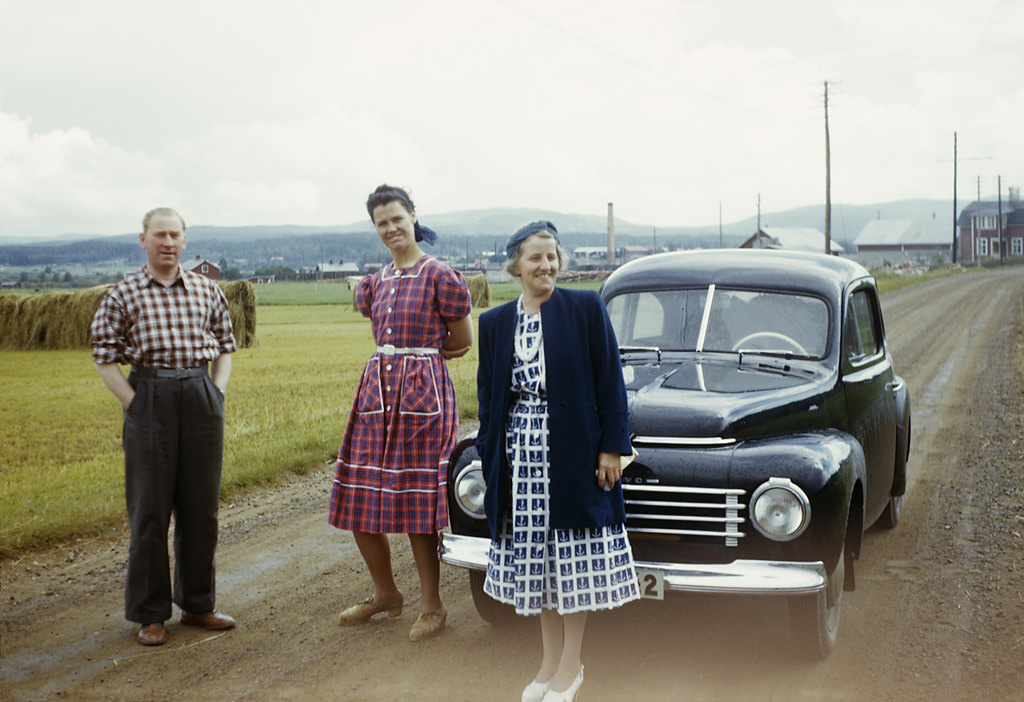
[683, 518]
[704, 318]
[687, 532]
[667, 489]
[741, 577]
[682, 441]
[723, 506]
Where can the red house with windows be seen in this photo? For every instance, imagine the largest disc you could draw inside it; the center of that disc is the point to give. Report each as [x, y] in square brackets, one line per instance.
[202, 266]
[991, 229]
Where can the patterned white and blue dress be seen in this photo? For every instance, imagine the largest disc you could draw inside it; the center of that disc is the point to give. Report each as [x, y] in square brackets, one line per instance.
[533, 566]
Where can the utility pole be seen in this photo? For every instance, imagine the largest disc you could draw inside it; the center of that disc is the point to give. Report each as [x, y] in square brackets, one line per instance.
[999, 219]
[720, 245]
[953, 259]
[955, 251]
[976, 225]
[828, 181]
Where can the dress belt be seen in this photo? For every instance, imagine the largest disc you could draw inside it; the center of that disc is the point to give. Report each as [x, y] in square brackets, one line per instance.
[176, 373]
[389, 350]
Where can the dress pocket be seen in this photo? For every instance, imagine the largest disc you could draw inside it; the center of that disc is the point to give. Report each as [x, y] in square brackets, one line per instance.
[419, 387]
[368, 397]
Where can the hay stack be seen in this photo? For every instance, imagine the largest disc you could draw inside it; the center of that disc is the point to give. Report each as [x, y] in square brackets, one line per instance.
[57, 320]
[242, 305]
[61, 320]
[479, 290]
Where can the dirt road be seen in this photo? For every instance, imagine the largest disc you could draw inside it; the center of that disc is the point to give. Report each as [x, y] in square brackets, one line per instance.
[938, 613]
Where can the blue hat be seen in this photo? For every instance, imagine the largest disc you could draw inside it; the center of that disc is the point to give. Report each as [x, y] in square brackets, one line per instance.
[529, 230]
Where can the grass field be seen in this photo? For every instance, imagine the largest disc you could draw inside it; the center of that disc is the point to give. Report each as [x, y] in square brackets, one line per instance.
[335, 292]
[61, 466]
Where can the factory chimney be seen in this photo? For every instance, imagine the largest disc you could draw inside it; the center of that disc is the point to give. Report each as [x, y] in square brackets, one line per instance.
[611, 237]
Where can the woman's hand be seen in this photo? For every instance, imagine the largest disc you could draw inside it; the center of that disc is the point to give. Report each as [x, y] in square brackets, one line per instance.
[609, 470]
[448, 354]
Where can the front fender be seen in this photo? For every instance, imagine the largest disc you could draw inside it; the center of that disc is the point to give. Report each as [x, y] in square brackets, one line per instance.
[828, 465]
[462, 455]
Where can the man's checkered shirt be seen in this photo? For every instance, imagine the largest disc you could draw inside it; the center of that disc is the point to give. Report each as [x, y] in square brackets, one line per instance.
[143, 323]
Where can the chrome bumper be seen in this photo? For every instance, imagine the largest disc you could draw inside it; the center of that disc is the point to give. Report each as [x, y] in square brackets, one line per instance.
[741, 577]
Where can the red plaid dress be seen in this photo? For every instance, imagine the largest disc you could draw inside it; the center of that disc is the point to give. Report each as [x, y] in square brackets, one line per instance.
[392, 464]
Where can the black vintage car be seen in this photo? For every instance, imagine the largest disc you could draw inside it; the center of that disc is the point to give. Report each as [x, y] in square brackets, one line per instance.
[770, 428]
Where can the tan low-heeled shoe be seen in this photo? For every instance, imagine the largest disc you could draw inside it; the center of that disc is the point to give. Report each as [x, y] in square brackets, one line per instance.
[428, 624]
[361, 613]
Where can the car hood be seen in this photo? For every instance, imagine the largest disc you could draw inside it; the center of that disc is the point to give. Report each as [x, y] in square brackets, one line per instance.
[709, 398]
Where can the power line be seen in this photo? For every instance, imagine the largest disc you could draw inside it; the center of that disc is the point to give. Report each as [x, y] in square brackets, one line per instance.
[645, 69]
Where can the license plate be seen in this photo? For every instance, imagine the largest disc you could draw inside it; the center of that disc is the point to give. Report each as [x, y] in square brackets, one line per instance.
[652, 584]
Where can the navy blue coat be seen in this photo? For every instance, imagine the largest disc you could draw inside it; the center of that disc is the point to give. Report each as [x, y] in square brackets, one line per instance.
[586, 408]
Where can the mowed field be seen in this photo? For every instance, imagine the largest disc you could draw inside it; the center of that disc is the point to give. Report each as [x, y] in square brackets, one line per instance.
[61, 466]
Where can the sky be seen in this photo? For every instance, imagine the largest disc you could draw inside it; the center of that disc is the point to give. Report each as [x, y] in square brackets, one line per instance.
[679, 112]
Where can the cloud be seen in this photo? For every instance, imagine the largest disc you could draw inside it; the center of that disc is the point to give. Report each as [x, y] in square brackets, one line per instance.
[48, 179]
[285, 112]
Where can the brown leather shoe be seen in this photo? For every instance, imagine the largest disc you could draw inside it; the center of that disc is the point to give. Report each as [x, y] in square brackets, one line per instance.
[210, 620]
[152, 634]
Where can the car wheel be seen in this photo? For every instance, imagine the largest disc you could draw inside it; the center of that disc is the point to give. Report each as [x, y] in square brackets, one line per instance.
[891, 516]
[489, 609]
[814, 619]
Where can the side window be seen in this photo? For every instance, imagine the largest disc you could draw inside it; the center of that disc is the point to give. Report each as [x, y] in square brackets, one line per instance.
[862, 333]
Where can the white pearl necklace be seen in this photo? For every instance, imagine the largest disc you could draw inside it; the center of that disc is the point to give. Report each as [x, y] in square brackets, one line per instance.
[525, 353]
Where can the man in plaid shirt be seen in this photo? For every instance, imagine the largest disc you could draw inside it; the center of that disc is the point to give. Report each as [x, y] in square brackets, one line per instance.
[168, 324]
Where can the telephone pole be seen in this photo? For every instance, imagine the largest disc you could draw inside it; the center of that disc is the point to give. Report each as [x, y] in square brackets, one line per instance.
[953, 259]
[828, 181]
[955, 250]
[999, 219]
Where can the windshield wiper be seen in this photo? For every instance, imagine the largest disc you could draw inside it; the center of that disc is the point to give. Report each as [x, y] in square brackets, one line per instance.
[767, 356]
[623, 350]
[775, 353]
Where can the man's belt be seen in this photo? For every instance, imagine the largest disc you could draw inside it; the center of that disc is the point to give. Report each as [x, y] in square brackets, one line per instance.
[176, 373]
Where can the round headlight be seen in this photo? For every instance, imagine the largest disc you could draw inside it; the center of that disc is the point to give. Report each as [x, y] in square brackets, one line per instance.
[469, 489]
[780, 510]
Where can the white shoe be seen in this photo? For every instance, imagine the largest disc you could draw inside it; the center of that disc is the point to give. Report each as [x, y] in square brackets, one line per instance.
[535, 691]
[565, 695]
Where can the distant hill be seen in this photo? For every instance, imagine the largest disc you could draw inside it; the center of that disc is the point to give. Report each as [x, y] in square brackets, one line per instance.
[250, 247]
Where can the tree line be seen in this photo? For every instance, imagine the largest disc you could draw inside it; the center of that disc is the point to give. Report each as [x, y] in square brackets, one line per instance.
[286, 256]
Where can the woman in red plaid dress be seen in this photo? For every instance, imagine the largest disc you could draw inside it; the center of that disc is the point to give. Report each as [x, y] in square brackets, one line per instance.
[391, 471]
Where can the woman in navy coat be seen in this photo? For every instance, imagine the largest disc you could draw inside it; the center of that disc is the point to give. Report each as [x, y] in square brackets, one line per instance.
[553, 430]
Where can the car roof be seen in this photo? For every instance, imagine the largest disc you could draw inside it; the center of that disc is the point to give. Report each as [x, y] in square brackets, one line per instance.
[737, 268]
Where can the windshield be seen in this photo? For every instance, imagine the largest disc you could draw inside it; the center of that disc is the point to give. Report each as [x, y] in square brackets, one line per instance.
[735, 320]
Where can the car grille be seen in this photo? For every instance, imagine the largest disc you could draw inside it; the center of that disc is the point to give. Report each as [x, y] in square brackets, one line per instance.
[702, 513]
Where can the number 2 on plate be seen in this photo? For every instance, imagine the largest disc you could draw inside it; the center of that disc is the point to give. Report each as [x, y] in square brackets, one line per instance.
[652, 584]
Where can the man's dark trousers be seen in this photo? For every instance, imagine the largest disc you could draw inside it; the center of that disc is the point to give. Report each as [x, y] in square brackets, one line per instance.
[173, 451]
